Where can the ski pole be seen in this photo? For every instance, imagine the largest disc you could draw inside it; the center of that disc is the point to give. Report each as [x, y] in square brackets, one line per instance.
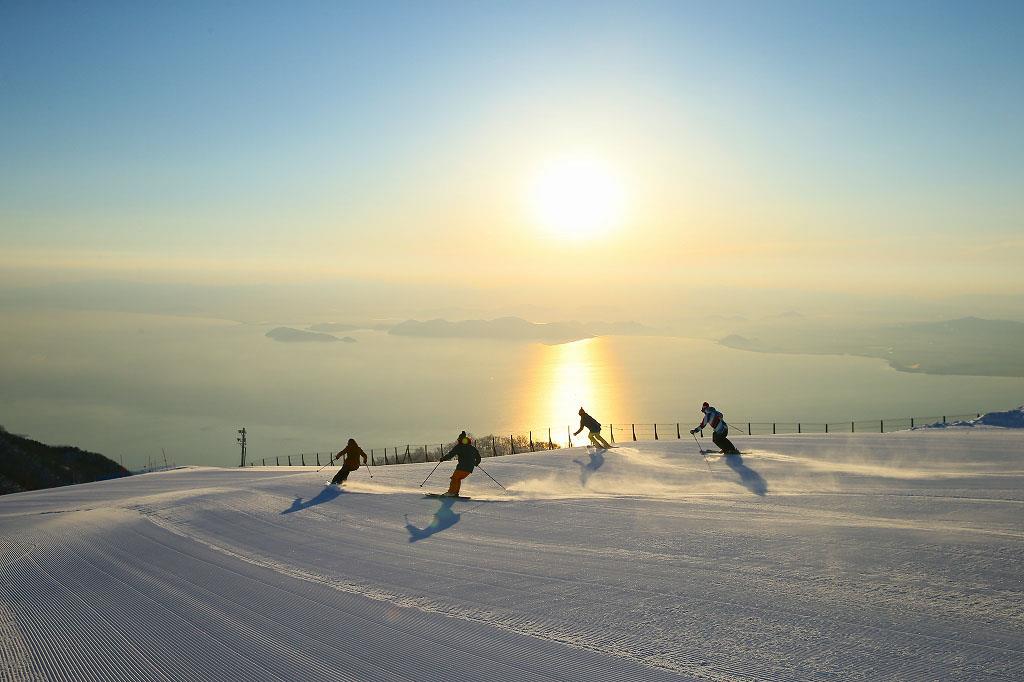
[369, 469]
[329, 462]
[491, 477]
[432, 471]
[701, 451]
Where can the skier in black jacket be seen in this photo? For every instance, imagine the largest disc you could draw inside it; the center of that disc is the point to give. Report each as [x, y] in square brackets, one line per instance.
[351, 455]
[595, 430]
[468, 457]
[720, 430]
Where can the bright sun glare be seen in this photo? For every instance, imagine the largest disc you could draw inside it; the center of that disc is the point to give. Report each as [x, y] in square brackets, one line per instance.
[577, 198]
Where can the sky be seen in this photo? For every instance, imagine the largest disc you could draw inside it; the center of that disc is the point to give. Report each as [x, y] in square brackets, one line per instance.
[845, 148]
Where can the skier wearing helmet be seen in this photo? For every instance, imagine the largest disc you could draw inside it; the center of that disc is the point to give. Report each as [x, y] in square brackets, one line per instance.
[720, 433]
[468, 457]
[586, 421]
[352, 453]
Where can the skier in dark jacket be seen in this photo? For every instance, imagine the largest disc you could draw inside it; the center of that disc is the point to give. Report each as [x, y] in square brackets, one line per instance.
[352, 453]
[586, 421]
[720, 430]
[468, 457]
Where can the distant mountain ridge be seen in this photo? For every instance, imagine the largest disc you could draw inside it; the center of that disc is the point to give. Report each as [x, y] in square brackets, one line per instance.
[517, 329]
[289, 335]
[26, 464]
[964, 346]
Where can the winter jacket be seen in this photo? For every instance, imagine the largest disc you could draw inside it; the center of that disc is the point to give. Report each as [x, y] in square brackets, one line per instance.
[352, 454]
[468, 455]
[714, 419]
[589, 422]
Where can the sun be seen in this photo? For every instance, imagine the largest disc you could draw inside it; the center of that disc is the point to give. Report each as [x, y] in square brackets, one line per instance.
[577, 198]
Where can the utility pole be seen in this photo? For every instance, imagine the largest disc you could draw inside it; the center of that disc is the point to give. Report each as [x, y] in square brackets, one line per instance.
[241, 441]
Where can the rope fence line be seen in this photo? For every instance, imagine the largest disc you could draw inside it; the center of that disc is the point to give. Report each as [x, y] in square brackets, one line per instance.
[540, 440]
[543, 439]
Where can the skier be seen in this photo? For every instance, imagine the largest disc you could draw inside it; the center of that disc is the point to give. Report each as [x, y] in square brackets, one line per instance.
[720, 435]
[352, 453]
[594, 426]
[468, 456]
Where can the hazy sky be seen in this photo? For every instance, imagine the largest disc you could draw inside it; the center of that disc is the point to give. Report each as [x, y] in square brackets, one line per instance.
[854, 147]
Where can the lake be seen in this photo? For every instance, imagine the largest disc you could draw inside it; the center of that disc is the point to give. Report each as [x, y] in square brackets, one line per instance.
[127, 385]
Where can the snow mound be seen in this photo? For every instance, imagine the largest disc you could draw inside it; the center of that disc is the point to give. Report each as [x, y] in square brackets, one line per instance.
[1010, 419]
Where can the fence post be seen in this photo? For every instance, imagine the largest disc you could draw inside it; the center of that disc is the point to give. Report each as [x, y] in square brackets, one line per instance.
[634, 431]
[551, 444]
[852, 429]
[773, 428]
[568, 431]
[798, 429]
[277, 460]
[655, 431]
[511, 445]
[531, 441]
[303, 456]
[677, 431]
[943, 419]
[426, 454]
[318, 459]
[289, 460]
[264, 461]
[612, 427]
[826, 427]
[494, 448]
[748, 429]
[911, 422]
[881, 426]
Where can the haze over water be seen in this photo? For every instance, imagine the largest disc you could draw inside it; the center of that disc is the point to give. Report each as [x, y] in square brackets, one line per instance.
[128, 384]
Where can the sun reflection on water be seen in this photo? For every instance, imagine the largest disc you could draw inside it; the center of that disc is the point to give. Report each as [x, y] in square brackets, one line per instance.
[564, 378]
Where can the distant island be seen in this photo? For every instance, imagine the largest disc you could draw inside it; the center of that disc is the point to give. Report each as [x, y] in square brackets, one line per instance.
[966, 346]
[517, 329]
[26, 464]
[289, 335]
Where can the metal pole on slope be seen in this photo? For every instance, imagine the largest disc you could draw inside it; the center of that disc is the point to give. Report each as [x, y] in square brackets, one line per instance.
[329, 460]
[492, 478]
[432, 472]
[702, 453]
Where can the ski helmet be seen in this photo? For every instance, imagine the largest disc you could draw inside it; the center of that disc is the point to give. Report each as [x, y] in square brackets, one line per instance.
[704, 406]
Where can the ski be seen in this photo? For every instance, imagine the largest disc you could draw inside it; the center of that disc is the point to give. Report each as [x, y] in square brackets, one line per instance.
[454, 497]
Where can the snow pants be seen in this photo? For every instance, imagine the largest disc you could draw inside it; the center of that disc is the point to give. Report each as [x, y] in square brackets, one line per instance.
[342, 474]
[598, 440]
[456, 484]
[722, 440]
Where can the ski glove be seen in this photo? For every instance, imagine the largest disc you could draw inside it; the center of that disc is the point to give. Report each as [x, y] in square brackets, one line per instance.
[694, 430]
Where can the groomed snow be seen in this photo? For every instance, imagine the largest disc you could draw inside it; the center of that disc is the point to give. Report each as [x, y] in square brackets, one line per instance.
[894, 556]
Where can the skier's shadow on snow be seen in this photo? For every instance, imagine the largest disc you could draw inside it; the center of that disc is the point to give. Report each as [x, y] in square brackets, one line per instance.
[587, 469]
[326, 495]
[444, 518]
[751, 480]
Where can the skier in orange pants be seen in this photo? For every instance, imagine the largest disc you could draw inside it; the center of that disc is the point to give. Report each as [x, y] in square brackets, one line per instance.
[468, 456]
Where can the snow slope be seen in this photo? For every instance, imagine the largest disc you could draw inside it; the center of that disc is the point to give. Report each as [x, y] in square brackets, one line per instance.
[1010, 419]
[861, 556]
